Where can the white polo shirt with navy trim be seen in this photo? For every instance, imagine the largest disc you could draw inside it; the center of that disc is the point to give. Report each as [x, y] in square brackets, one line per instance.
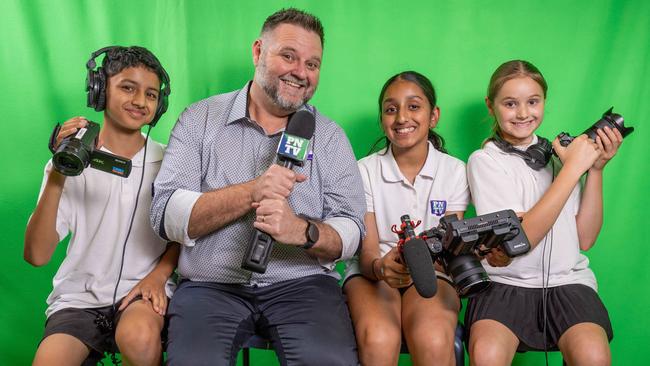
[500, 181]
[96, 208]
[440, 187]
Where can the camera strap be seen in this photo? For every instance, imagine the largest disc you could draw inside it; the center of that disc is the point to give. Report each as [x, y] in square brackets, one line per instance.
[55, 133]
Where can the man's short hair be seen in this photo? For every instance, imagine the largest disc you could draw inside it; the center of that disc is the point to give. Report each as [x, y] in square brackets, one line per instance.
[119, 58]
[296, 17]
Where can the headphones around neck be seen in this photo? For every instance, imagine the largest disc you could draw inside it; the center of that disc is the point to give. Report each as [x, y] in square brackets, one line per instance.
[96, 86]
[535, 156]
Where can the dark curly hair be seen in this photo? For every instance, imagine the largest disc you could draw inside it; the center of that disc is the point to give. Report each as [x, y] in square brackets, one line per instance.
[119, 58]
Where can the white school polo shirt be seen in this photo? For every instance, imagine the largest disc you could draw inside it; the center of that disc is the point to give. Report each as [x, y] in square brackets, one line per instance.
[500, 181]
[96, 208]
[441, 186]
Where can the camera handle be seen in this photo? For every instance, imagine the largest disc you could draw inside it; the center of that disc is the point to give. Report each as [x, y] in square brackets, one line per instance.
[55, 133]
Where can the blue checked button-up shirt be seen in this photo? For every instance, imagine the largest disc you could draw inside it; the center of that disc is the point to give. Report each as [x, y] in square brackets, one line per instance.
[214, 144]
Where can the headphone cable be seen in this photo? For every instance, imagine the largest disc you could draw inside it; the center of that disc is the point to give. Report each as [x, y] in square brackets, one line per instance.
[548, 273]
[128, 234]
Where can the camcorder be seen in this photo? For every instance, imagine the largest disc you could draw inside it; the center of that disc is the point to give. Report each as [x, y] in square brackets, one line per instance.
[610, 119]
[457, 245]
[77, 151]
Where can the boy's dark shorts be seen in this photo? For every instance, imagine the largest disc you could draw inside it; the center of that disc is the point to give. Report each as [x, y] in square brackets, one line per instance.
[83, 325]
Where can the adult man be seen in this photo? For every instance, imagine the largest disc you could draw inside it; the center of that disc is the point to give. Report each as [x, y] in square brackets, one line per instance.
[218, 183]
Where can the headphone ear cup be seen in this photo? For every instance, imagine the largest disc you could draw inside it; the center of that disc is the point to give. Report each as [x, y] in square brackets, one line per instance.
[545, 144]
[540, 153]
[535, 159]
[160, 109]
[536, 156]
[96, 89]
[91, 89]
[163, 103]
[101, 86]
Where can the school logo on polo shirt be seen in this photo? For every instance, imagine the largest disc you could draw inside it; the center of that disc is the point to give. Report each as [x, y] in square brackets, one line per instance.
[438, 207]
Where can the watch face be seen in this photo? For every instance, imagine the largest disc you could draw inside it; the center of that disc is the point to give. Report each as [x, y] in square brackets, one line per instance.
[312, 232]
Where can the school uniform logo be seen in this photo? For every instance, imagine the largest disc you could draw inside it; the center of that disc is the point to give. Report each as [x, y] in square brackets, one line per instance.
[438, 207]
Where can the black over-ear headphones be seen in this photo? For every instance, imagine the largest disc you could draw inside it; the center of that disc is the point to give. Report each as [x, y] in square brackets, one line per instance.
[96, 87]
[536, 156]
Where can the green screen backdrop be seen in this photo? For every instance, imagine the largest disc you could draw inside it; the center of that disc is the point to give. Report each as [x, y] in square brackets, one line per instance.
[594, 53]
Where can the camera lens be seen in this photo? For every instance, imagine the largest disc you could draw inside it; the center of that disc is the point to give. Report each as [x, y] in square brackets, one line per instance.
[468, 275]
[611, 120]
[70, 161]
[67, 164]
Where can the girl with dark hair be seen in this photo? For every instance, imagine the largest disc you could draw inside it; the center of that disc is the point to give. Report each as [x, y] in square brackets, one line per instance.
[545, 299]
[411, 175]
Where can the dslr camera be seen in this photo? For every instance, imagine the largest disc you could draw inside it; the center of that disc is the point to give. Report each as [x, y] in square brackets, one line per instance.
[77, 151]
[457, 244]
[609, 119]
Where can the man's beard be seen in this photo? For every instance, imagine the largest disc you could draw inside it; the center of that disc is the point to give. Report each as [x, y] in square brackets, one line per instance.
[271, 89]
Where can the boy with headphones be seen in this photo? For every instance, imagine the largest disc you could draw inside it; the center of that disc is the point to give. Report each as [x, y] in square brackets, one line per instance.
[113, 285]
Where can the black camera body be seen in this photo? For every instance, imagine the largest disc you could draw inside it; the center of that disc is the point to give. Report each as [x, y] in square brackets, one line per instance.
[77, 151]
[479, 235]
[609, 119]
[457, 244]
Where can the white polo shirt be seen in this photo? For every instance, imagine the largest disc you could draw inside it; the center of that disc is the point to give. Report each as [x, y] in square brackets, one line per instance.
[96, 208]
[500, 181]
[441, 186]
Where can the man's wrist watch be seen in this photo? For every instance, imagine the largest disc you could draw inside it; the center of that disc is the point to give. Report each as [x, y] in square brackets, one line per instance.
[312, 233]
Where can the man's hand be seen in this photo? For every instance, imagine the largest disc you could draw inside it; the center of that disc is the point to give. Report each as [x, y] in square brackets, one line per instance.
[276, 183]
[152, 289]
[276, 218]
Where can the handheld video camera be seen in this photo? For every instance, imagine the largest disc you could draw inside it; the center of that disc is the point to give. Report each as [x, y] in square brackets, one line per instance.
[456, 244]
[77, 151]
[610, 119]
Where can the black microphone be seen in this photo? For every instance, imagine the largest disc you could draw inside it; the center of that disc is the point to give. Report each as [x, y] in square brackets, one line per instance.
[418, 260]
[292, 151]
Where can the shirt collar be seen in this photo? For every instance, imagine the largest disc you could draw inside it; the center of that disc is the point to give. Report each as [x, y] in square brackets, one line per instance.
[431, 164]
[390, 170]
[239, 110]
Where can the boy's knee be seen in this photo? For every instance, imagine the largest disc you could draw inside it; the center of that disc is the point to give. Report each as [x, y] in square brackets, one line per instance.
[139, 337]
